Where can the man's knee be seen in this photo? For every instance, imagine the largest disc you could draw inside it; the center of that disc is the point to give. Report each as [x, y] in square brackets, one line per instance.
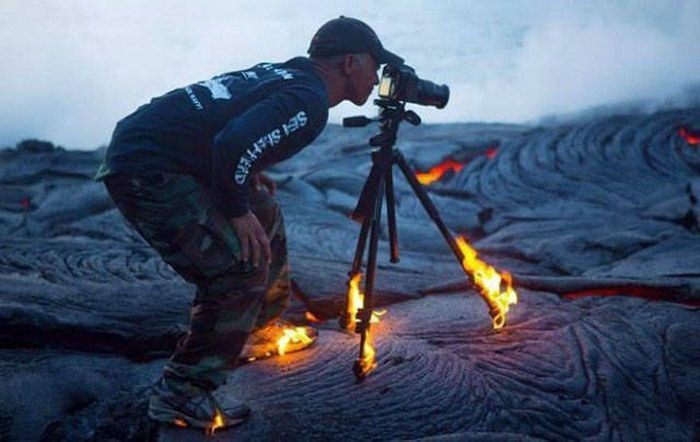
[236, 285]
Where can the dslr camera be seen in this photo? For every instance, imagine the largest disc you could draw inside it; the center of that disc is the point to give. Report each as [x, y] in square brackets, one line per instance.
[400, 83]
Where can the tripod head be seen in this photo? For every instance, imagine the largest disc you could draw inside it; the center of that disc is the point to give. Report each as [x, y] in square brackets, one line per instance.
[391, 114]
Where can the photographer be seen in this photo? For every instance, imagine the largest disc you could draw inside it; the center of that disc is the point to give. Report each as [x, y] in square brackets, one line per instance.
[186, 171]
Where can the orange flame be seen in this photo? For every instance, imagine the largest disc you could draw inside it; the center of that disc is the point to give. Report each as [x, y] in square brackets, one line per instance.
[216, 424]
[436, 172]
[356, 301]
[292, 335]
[689, 138]
[489, 282]
[368, 361]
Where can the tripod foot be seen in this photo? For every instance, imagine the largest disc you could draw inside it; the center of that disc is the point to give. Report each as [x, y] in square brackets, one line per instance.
[362, 368]
[359, 371]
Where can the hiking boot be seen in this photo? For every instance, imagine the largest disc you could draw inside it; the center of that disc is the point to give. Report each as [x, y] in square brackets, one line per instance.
[202, 411]
[279, 337]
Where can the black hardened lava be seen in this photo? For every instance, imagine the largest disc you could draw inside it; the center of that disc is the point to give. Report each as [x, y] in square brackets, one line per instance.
[573, 210]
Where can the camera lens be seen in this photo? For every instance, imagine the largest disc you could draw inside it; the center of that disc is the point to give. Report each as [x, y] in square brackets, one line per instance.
[431, 94]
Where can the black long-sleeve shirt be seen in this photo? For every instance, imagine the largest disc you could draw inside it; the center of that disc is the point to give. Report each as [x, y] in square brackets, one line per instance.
[225, 129]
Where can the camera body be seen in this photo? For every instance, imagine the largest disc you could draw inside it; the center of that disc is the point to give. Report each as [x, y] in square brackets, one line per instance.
[401, 83]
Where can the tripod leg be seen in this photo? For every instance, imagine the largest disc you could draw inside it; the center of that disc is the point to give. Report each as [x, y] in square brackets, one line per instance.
[391, 216]
[427, 203]
[346, 320]
[373, 242]
[381, 161]
[366, 362]
[497, 308]
[360, 249]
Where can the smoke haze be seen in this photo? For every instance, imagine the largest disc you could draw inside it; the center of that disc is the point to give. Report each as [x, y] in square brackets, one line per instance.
[71, 69]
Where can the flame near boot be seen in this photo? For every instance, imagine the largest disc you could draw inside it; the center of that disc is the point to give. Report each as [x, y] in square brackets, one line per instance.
[277, 338]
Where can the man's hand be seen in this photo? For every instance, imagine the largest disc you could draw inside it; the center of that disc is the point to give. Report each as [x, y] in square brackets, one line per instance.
[253, 237]
[260, 181]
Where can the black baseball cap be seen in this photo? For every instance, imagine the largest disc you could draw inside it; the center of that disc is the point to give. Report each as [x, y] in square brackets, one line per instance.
[344, 35]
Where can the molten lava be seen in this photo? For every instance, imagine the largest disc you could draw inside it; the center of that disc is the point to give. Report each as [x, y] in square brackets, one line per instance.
[490, 283]
[436, 172]
[689, 137]
[180, 423]
[311, 317]
[292, 335]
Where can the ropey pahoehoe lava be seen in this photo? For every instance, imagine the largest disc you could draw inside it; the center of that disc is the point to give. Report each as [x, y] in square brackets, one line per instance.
[603, 206]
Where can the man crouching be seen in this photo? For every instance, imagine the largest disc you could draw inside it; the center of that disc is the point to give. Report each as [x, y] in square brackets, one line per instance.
[185, 171]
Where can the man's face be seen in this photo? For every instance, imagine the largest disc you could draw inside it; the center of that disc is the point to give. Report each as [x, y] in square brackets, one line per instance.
[362, 78]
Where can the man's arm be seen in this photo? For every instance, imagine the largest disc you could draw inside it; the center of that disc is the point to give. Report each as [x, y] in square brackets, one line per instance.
[272, 130]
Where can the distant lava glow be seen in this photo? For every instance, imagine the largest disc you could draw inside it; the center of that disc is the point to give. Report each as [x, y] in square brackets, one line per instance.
[689, 137]
[311, 317]
[436, 172]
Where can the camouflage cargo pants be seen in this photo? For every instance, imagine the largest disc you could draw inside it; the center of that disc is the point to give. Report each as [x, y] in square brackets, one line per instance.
[176, 216]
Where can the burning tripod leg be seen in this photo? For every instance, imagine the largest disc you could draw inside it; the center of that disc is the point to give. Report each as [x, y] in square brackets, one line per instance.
[355, 299]
[359, 314]
[366, 361]
[359, 307]
[485, 277]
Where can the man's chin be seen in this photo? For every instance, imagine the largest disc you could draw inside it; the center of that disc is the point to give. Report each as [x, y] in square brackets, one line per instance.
[360, 101]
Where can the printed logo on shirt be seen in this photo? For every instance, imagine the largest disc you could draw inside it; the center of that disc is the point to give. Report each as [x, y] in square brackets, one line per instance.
[193, 97]
[250, 75]
[285, 74]
[270, 139]
[217, 88]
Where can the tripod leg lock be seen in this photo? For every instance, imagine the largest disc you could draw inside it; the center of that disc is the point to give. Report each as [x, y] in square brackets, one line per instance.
[364, 316]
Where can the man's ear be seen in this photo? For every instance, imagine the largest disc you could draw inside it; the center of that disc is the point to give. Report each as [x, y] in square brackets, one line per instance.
[349, 63]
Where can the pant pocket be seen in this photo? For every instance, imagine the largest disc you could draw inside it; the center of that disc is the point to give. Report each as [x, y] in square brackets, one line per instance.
[203, 252]
[211, 247]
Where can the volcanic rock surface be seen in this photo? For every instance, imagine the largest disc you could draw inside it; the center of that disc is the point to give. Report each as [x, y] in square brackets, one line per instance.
[598, 220]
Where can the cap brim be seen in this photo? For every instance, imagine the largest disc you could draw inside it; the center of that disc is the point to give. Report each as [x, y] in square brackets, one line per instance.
[389, 58]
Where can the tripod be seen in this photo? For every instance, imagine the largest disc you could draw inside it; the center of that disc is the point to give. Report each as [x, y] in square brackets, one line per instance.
[378, 186]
